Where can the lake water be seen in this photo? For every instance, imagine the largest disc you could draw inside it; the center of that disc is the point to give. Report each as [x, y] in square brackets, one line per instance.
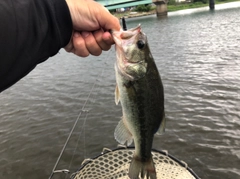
[198, 56]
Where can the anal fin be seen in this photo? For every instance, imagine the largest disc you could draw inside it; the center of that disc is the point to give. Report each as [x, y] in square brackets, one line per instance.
[122, 134]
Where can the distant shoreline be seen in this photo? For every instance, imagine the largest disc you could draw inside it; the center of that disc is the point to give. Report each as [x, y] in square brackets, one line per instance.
[138, 14]
[171, 8]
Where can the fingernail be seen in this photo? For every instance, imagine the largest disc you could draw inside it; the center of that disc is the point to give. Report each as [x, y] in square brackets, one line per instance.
[76, 34]
[85, 34]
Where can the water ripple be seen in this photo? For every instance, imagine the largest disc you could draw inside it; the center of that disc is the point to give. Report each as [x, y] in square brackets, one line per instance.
[198, 59]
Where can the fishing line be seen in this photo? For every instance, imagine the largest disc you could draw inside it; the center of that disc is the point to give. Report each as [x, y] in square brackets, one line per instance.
[64, 147]
[97, 89]
[74, 152]
[74, 126]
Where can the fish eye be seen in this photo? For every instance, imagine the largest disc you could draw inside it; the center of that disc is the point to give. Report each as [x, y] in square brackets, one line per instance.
[140, 44]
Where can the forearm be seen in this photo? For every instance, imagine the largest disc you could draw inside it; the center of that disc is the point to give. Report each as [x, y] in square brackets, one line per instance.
[30, 32]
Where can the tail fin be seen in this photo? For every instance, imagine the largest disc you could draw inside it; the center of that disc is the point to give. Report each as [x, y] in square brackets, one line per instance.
[142, 169]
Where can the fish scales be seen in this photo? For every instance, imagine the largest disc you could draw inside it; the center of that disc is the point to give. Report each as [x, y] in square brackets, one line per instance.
[139, 89]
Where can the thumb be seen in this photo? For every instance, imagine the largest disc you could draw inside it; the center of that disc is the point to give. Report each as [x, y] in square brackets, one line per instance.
[107, 21]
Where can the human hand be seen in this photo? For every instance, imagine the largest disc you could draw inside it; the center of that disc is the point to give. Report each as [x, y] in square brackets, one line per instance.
[91, 25]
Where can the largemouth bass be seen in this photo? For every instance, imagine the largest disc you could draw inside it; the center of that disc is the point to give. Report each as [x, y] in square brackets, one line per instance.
[140, 91]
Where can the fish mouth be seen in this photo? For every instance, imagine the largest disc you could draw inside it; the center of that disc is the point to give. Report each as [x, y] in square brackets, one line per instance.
[130, 33]
[120, 36]
[123, 39]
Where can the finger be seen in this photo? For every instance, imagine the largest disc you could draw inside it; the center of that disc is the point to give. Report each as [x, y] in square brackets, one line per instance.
[69, 46]
[91, 43]
[103, 43]
[80, 48]
[107, 37]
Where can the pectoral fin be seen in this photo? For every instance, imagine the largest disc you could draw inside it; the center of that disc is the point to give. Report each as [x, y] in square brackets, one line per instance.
[122, 134]
[117, 95]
